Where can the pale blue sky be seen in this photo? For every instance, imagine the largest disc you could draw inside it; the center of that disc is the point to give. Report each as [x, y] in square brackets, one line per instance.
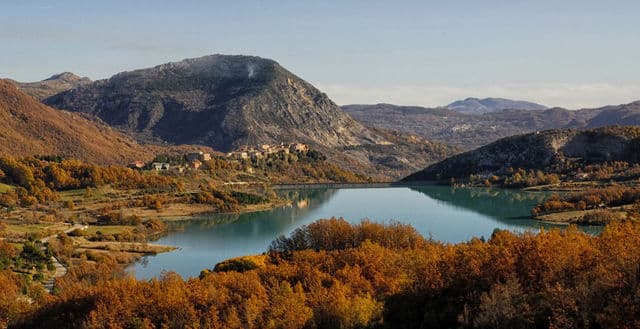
[566, 53]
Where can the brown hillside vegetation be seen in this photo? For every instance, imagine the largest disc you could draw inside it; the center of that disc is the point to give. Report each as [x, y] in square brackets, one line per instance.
[31, 128]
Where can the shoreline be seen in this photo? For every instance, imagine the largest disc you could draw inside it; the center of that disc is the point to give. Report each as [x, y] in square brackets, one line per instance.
[291, 186]
[575, 216]
[184, 212]
[244, 210]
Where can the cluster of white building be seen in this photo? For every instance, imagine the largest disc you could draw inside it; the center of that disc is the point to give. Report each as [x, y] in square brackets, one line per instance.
[195, 159]
[194, 162]
[264, 150]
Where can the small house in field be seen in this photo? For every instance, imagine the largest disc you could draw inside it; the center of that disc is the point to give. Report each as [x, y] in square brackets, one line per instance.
[137, 165]
[160, 166]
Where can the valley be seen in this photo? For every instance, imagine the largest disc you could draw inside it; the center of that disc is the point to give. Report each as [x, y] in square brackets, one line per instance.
[205, 166]
[214, 137]
[319, 165]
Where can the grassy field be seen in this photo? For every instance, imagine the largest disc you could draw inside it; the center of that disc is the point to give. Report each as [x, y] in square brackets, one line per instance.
[101, 193]
[107, 229]
[573, 216]
[36, 230]
[132, 247]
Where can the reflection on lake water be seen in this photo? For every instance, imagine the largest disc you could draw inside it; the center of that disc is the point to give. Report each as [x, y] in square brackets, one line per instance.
[444, 213]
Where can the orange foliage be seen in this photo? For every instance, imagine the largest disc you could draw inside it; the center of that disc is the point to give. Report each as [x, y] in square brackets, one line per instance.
[558, 278]
[603, 197]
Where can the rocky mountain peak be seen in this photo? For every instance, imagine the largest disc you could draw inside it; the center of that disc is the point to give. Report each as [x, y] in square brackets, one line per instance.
[224, 101]
[55, 84]
[67, 77]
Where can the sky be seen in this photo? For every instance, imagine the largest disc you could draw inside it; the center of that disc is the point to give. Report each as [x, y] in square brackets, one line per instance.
[572, 54]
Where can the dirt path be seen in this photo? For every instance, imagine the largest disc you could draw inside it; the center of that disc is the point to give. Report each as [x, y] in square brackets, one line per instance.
[60, 269]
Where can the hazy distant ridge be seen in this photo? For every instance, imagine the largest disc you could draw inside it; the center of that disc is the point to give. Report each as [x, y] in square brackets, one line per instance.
[490, 105]
[470, 131]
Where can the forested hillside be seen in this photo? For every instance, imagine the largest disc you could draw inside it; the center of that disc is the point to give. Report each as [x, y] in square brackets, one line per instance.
[331, 274]
[31, 128]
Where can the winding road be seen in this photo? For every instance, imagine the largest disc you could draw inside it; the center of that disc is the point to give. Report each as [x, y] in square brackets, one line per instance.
[61, 269]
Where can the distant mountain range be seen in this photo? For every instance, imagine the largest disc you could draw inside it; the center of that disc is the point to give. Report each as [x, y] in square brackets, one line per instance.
[51, 86]
[490, 105]
[227, 102]
[550, 151]
[31, 128]
[470, 131]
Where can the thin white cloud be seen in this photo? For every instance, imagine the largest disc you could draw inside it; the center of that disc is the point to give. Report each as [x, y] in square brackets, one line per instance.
[567, 95]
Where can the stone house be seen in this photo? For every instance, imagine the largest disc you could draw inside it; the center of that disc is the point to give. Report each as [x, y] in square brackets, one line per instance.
[160, 166]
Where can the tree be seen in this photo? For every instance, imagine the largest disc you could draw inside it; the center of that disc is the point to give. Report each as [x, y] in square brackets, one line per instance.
[7, 253]
[504, 306]
[287, 307]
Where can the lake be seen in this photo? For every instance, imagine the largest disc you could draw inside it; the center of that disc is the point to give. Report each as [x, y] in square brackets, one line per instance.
[441, 212]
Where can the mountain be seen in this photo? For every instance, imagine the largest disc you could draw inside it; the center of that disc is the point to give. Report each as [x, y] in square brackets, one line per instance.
[228, 102]
[490, 105]
[469, 131]
[31, 128]
[222, 101]
[51, 86]
[625, 115]
[550, 150]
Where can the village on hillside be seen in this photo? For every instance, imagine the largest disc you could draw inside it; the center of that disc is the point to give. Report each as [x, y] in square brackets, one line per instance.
[264, 150]
[193, 161]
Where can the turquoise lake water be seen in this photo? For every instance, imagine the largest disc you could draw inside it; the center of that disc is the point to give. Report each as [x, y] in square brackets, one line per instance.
[441, 212]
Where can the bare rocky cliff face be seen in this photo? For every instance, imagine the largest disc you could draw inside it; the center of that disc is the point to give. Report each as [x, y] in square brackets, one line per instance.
[227, 102]
[544, 150]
